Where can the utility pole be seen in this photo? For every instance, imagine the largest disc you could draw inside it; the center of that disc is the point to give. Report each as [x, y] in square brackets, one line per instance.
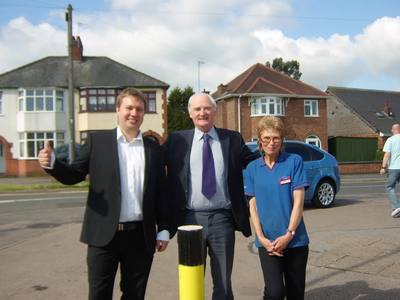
[198, 75]
[68, 17]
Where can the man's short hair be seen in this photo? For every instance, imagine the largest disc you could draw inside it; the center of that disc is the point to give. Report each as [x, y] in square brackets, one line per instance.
[214, 104]
[131, 92]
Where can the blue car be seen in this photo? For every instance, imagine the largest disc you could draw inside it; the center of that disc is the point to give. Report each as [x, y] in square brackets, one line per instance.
[322, 172]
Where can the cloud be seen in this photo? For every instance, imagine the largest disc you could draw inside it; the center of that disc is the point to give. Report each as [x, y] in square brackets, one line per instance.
[166, 39]
[379, 47]
[21, 42]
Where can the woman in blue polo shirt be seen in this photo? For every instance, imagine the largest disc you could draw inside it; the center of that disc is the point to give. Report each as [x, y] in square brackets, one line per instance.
[276, 182]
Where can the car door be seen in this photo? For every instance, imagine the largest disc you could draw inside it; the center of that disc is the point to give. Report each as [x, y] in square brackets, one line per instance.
[311, 166]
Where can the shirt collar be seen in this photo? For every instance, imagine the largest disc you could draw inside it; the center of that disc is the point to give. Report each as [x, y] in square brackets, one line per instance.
[279, 159]
[198, 135]
[120, 136]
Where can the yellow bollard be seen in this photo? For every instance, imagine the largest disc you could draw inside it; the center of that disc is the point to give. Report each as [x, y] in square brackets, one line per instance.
[191, 262]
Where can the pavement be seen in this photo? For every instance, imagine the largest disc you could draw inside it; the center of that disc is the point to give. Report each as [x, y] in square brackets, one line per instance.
[45, 180]
[354, 254]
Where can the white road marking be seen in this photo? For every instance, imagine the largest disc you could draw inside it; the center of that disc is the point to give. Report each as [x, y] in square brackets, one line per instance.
[37, 199]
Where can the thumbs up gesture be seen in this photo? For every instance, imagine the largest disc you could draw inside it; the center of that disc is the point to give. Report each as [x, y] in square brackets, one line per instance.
[45, 155]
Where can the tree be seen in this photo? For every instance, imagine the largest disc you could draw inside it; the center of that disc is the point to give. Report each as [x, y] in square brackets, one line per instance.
[62, 152]
[178, 115]
[290, 68]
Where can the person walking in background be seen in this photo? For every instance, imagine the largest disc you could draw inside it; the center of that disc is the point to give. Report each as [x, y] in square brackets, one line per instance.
[276, 183]
[205, 181]
[126, 200]
[391, 161]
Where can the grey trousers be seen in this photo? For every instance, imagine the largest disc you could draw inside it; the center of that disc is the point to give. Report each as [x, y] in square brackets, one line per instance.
[219, 240]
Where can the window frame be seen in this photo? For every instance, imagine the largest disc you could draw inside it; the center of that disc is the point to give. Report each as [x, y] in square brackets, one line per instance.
[262, 106]
[308, 103]
[37, 140]
[148, 105]
[313, 138]
[38, 99]
[1, 103]
[88, 94]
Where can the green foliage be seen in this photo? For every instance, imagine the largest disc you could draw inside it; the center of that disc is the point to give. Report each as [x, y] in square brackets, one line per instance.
[290, 67]
[25, 187]
[62, 152]
[178, 115]
[379, 155]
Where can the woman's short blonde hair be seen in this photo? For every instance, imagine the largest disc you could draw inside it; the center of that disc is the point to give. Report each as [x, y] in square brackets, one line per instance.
[273, 123]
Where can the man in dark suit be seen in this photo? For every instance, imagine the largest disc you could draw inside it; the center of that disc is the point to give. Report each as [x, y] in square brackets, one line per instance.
[207, 189]
[126, 200]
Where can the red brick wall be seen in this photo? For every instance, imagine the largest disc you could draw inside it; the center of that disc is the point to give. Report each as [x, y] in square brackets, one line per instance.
[297, 126]
[232, 114]
[369, 167]
[221, 114]
[30, 168]
[247, 123]
[15, 167]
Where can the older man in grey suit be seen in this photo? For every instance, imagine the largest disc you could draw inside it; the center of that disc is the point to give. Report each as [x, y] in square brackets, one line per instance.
[204, 173]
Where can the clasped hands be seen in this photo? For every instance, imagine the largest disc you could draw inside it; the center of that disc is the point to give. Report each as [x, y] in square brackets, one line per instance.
[276, 247]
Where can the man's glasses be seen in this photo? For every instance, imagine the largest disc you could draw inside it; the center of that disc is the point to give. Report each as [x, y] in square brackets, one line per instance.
[267, 140]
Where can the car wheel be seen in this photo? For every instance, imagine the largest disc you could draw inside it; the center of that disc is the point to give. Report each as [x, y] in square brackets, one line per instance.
[324, 194]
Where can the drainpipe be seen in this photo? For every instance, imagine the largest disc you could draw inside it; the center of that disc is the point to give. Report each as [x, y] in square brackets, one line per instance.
[239, 114]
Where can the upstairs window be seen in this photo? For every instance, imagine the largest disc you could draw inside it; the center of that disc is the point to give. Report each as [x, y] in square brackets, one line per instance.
[41, 100]
[98, 99]
[151, 101]
[267, 107]
[311, 108]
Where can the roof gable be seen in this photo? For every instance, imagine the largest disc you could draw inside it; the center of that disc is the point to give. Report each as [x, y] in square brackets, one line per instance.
[262, 79]
[91, 71]
[369, 104]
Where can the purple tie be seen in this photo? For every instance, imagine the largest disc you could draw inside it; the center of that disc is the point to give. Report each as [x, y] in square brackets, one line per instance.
[208, 187]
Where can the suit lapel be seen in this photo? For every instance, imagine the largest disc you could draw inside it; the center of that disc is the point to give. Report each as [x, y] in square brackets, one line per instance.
[224, 140]
[189, 138]
[147, 163]
[114, 154]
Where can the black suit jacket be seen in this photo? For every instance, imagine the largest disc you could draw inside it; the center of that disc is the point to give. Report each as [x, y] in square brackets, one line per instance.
[99, 158]
[236, 155]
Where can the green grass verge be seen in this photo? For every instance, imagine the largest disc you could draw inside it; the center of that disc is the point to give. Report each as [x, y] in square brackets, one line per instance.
[23, 187]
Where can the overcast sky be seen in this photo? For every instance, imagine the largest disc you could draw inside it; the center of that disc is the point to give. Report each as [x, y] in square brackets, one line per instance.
[353, 43]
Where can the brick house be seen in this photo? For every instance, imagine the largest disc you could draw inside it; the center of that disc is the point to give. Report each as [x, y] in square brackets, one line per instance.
[261, 91]
[364, 114]
[34, 105]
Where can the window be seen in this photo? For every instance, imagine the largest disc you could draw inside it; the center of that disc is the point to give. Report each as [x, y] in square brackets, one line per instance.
[311, 108]
[267, 106]
[313, 140]
[151, 101]
[98, 99]
[30, 143]
[41, 100]
[307, 153]
[298, 149]
[1, 103]
[84, 135]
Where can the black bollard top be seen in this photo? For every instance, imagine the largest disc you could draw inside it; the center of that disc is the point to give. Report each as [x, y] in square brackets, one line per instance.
[190, 244]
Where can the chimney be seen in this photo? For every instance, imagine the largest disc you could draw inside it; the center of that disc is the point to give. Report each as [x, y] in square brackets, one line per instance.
[77, 49]
[387, 110]
[222, 89]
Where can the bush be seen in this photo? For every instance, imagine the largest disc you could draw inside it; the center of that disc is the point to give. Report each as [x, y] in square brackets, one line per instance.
[62, 152]
[379, 155]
